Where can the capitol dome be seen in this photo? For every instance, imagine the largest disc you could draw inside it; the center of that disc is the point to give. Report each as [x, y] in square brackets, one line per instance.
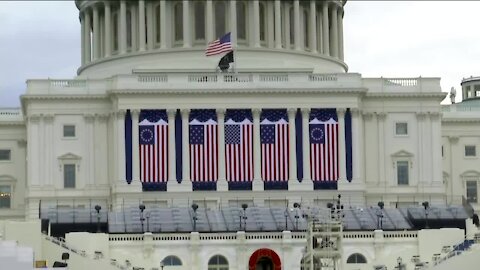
[124, 37]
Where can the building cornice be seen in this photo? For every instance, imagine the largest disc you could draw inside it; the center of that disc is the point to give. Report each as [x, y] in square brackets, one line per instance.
[440, 96]
[239, 91]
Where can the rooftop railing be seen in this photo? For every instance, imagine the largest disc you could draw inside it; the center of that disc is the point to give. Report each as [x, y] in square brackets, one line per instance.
[217, 81]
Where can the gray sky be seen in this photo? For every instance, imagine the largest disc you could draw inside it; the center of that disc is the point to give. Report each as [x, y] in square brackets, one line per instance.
[389, 39]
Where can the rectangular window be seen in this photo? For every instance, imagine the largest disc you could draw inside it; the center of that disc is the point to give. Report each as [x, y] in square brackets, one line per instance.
[401, 129]
[402, 172]
[472, 192]
[5, 196]
[69, 175]
[5, 154]
[470, 151]
[69, 131]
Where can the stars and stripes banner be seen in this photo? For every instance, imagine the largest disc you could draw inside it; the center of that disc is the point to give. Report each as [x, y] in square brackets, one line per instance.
[219, 46]
[239, 148]
[203, 148]
[153, 144]
[274, 140]
[323, 130]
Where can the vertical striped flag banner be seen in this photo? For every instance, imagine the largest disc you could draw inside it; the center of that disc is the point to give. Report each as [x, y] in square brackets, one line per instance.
[153, 143]
[239, 147]
[274, 140]
[203, 139]
[323, 133]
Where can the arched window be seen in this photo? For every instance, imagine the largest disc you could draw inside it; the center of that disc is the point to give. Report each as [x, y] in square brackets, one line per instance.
[199, 14]
[356, 258]
[178, 21]
[157, 23]
[220, 18]
[263, 22]
[172, 261]
[242, 21]
[218, 262]
[115, 31]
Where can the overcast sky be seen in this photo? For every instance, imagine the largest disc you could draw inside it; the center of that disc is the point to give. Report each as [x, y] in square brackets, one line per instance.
[389, 39]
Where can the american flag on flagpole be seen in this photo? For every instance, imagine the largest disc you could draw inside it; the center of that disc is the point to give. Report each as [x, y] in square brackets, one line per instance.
[203, 146]
[153, 143]
[239, 146]
[323, 132]
[219, 46]
[274, 140]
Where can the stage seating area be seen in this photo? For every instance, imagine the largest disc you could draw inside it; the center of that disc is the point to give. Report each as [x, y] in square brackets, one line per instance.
[254, 218]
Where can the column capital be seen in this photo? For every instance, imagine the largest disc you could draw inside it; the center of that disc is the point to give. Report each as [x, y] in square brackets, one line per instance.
[381, 115]
[256, 112]
[135, 112]
[453, 139]
[435, 115]
[421, 115]
[185, 112]
[305, 111]
[341, 112]
[355, 111]
[367, 115]
[21, 142]
[292, 111]
[48, 118]
[171, 112]
[101, 116]
[33, 118]
[89, 117]
[221, 112]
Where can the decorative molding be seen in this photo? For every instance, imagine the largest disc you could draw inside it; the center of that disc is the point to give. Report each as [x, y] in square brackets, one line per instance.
[435, 115]
[171, 113]
[341, 112]
[305, 112]
[22, 142]
[421, 115]
[89, 118]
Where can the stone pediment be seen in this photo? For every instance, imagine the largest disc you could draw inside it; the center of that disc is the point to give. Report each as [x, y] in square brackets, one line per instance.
[470, 173]
[402, 153]
[69, 156]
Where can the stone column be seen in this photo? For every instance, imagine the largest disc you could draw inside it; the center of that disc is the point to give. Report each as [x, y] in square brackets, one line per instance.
[122, 35]
[256, 24]
[90, 146]
[306, 144]
[296, 24]
[420, 119]
[108, 29]
[88, 40]
[96, 34]
[436, 148]
[187, 36]
[172, 164]
[233, 23]
[341, 145]
[222, 184]
[326, 40]
[141, 25]
[292, 146]
[135, 146]
[320, 32]
[381, 147]
[151, 24]
[49, 156]
[270, 32]
[340, 33]
[185, 146]
[257, 164]
[278, 25]
[209, 23]
[120, 158]
[357, 145]
[334, 32]
[82, 37]
[313, 26]
[163, 24]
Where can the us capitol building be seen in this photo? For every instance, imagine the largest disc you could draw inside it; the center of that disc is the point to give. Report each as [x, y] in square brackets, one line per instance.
[284, 161]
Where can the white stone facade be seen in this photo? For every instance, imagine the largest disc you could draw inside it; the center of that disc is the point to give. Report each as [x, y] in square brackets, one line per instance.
[406, 147]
